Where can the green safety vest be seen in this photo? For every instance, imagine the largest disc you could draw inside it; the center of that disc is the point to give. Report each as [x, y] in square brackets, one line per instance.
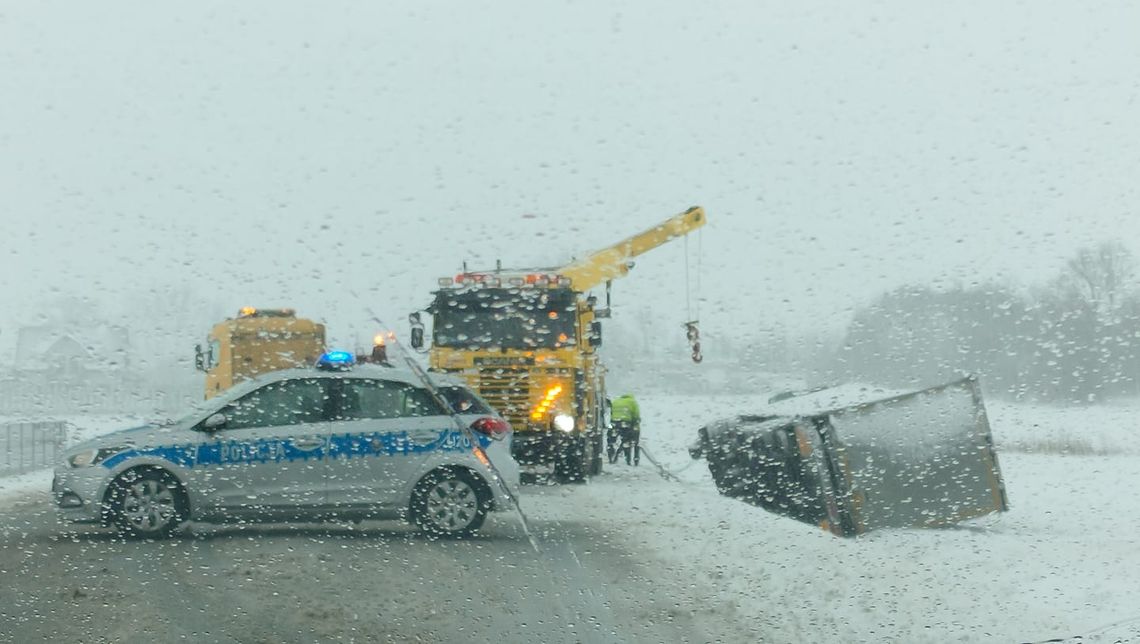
[625, 408]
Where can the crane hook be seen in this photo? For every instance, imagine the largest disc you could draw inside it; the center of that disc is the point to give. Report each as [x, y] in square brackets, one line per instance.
[694, 336]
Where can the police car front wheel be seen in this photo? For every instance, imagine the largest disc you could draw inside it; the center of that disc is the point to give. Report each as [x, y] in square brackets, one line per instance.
[450, 503]
[146, 504]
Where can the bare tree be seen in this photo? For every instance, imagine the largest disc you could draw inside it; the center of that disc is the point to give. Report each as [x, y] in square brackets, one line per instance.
[1101, 278]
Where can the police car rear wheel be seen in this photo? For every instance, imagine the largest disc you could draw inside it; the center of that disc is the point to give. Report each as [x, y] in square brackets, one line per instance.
[147, 504]
[449, 503]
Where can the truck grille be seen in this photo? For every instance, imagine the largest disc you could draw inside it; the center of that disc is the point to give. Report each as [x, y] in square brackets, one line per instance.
[508, 391]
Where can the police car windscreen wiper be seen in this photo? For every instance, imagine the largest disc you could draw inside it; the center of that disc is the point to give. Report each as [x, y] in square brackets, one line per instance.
[425, 379]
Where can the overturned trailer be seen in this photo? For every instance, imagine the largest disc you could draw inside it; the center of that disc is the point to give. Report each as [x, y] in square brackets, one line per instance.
[917, 460]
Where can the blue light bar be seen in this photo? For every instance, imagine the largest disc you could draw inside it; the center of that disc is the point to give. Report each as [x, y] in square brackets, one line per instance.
[336, 361]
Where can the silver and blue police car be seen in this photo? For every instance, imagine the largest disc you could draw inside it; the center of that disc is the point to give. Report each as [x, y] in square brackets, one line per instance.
[346, 443]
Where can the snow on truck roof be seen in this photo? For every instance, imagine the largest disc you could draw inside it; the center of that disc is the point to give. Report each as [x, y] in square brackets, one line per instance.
[838, 398]
[827, 399]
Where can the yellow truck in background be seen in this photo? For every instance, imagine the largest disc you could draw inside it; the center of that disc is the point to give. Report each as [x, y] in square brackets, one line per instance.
[526, 340]
[257, 341]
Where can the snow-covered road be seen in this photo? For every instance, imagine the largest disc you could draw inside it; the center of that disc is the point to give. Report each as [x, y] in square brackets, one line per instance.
[628, 557]
[380, 581]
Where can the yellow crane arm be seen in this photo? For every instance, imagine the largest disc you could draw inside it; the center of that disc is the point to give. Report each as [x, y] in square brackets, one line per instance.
[613, 262]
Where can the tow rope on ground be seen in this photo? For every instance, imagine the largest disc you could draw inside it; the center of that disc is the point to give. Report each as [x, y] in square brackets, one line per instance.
[662, 470]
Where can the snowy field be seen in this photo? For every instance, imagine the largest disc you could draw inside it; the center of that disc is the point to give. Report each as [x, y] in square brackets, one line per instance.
[1062, 562]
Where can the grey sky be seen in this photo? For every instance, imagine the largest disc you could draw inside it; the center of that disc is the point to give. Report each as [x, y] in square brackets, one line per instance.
[281, 154]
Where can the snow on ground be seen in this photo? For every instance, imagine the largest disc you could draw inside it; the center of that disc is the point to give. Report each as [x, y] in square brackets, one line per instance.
[1061, 562]
[17, 487]
[85, 427]
[1050, 429]
[82, 428]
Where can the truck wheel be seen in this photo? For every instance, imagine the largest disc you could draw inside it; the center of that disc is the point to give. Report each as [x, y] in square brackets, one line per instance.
[598, 455]
[574, 462]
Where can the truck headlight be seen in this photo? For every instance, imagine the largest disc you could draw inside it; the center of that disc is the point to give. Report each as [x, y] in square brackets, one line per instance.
[564, 423]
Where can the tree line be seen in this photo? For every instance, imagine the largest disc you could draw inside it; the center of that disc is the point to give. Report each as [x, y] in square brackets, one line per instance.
[1076, 339]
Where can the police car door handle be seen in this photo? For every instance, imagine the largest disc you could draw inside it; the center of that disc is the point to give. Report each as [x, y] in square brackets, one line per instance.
[423, 434]
[308, 443]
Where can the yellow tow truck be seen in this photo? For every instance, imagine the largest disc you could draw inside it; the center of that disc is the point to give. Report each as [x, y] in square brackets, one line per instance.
[257, 341]
[527, 341]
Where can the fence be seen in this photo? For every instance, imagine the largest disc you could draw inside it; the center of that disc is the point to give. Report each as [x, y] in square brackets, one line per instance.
[30, 446]
[39, 395]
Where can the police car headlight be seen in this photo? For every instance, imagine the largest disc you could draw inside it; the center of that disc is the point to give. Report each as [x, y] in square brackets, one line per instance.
[83, 459]
[564, 423]
[90, 457]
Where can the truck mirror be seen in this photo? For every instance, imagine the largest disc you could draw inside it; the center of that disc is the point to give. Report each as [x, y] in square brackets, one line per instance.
[199, 358]
[595, 338]
[417, 337]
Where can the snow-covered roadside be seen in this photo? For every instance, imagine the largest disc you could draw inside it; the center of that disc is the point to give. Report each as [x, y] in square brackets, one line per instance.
[1050, 429]
[19, 487]
[1062, 562]
[84, 427]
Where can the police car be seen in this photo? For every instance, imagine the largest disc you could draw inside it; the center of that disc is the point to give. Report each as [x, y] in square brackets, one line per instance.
[343, 443]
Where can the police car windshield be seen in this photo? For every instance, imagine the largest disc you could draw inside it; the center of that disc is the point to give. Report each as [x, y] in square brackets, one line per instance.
[204, 407]
[514, 318]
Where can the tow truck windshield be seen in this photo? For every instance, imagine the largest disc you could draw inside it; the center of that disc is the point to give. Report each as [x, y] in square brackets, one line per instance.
[509, 318]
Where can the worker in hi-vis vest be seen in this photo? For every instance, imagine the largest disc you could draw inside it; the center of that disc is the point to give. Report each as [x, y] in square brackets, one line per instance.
[626, 419]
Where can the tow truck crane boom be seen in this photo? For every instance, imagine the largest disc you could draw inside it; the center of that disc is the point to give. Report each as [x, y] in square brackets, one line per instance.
[614, 262]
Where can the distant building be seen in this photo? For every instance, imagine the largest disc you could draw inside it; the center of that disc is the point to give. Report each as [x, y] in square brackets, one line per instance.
[49, 348]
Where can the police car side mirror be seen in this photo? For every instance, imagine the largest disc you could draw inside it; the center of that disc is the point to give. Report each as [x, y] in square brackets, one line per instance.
[214, 422]
[417, 337]
[199, 358]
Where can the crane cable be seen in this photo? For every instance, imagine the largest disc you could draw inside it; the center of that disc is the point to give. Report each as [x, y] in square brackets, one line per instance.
[692, 330]
[700, 241]
[688, 296]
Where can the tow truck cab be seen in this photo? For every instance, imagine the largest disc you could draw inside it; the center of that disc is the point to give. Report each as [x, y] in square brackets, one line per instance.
[257, 341]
